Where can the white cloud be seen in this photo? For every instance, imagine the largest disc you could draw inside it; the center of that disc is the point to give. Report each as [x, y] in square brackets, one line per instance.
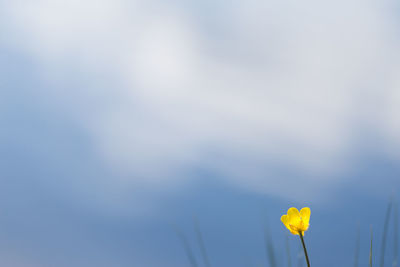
[283, 83]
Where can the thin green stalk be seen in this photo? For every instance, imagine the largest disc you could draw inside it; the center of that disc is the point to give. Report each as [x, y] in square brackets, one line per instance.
[186, 246]
[201, 243]
[269, 246]
[385, 230]
[304, 247]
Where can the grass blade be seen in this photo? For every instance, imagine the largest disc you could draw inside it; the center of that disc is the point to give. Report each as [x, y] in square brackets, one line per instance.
[201, 243]
[270, 252]
[186, 246]
[385, 230]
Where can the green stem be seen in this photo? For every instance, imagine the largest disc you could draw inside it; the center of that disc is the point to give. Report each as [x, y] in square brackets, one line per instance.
[304, 247]
[370, 250]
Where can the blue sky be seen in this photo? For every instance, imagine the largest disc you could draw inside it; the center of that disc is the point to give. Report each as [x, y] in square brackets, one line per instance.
[122, 118]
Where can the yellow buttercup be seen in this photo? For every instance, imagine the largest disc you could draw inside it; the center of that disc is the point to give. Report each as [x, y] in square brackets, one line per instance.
[297, 222]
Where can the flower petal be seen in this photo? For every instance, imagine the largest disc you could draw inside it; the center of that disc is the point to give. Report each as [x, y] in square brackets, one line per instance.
[293, 230]
[285, 221]
[305, 214]
[293, 215]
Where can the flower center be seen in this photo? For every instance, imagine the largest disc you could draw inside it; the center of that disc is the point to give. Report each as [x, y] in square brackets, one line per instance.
[298, 227]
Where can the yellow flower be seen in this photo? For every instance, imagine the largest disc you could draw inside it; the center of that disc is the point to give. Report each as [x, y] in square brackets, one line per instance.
[297, 221]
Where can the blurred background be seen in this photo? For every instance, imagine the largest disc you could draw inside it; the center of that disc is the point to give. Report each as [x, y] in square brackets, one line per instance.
[128, 127]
